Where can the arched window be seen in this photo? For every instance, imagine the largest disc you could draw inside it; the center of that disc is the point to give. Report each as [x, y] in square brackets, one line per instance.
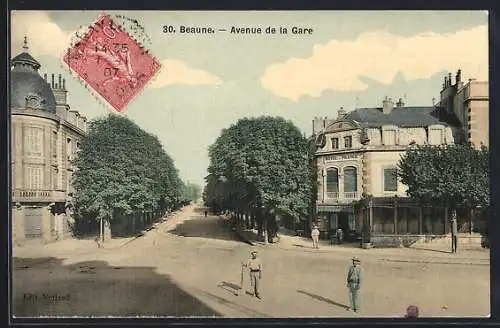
[350, 179]
[332, 180]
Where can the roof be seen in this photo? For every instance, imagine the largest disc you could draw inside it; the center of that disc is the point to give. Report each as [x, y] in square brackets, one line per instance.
[25, 57]
[400, 116]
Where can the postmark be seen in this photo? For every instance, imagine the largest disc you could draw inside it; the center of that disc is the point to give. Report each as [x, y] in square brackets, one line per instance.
[111, 62]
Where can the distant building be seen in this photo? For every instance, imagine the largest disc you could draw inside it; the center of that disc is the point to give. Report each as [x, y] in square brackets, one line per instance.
[45, 136]
[469, 102]
[358, 153]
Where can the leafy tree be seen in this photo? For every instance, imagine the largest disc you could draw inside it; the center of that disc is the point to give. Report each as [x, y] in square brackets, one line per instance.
[261, 165]
[452, 175]
[191, 192]
[122, 170]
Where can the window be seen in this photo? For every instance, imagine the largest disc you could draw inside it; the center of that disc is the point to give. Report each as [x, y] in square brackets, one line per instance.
[54, 144]
[335, 143]
[350, 179]
[33, 141]
[332, 180]
[34, 178]
[389, 137]
[69, 149]
[55, 184]
[348, 142]
[390, 179]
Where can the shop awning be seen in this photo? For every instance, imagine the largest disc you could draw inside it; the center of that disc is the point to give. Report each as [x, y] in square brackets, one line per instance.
[334, 208]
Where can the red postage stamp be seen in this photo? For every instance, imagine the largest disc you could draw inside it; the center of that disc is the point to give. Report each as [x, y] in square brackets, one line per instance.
[111, 62]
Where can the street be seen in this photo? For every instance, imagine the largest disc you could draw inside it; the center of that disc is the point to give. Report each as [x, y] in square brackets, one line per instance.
[190, 266]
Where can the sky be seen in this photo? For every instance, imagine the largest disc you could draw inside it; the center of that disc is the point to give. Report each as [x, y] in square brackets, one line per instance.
[207, 82]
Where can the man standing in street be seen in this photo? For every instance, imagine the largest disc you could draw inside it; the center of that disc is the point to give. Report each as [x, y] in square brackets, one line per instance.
[315, 236]
[255, 268]
[354, 278]
[454, 232]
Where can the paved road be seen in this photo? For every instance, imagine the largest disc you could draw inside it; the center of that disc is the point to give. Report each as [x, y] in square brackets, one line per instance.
[190, 265]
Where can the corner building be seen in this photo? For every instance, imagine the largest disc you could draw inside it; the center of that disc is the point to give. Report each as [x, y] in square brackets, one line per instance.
[45, 136]
[357, 155]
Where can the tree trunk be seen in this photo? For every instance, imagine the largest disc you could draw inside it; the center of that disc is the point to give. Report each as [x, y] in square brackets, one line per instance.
[101, 230]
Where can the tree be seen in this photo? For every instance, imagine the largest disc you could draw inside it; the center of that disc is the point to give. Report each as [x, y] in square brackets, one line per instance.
[451, 175]
[122, 170]
[261, 165]
[191, 192]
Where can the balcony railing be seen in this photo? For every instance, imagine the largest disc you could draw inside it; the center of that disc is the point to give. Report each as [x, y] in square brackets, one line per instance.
[351, 195]
[30, 195]
[335, 197]
[332, 195]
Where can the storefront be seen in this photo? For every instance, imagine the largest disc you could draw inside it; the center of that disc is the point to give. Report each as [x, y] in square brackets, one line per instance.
[332, 217]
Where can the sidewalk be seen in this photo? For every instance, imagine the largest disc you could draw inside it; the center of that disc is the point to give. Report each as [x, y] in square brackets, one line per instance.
[73, 247]
[471, 254]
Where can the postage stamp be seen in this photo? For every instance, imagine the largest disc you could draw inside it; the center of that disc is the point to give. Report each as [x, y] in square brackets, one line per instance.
[111, 62]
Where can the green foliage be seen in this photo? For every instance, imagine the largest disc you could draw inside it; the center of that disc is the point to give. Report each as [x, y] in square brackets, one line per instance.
[260, 162]
[191, 192]
[123, 169]
[453, 175]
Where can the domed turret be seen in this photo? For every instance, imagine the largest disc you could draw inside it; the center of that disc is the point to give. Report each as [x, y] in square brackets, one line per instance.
[28, 89]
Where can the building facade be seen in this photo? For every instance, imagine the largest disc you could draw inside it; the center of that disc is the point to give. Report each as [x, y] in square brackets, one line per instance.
[45, 136]
[357, 155]
[469, 103]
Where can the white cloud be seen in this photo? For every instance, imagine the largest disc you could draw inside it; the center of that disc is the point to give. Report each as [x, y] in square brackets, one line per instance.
[44, 36]
[379, 55]
[177, 72]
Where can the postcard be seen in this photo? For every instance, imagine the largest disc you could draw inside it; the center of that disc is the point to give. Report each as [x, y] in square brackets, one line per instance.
[249, 164]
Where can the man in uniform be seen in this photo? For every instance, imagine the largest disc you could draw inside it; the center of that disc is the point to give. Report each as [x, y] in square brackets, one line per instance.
[354, 278]
[255, 268]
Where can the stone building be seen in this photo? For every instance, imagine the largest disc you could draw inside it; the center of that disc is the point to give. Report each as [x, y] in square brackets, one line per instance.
[469, 102]
[45, 135]
[357, 155]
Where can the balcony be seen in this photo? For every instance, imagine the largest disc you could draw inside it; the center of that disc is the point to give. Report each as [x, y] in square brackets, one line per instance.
[29, 195]
[339, 197]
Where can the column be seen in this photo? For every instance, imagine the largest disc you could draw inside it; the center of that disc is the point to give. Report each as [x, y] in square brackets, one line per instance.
[446, 221]
[395, 218]
[46, 217]
[18, 225]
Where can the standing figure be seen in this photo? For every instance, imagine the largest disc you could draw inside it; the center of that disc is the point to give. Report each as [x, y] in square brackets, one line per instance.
[255, 269]
[206, 212]
[315, 236]
[340, 235]
[454, 232]
[354, 278]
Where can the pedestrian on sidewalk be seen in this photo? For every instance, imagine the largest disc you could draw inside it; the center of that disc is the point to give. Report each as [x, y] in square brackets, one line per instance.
[315, 236]
[354, 279]
[340, 235]
[206, 212]
[98, 241]
[454, 231]
[254, 266]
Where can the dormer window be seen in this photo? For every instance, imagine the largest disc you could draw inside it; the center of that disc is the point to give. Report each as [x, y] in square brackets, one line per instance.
[335, 143]
[348, 142]
[34, 102]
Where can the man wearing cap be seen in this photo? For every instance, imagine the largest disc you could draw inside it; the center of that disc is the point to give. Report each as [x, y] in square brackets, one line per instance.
[255, 267]
[354, 278]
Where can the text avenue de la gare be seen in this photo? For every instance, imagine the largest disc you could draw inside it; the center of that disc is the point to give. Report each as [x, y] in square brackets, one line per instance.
[181, 29]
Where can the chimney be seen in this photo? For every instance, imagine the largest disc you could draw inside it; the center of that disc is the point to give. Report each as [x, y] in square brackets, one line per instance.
[400, 103]
[64, 84]
[449, 78]
[387, 105]
[52, 84]
[458, 77]
[45, 77]
[341, 113]
[60, 81]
